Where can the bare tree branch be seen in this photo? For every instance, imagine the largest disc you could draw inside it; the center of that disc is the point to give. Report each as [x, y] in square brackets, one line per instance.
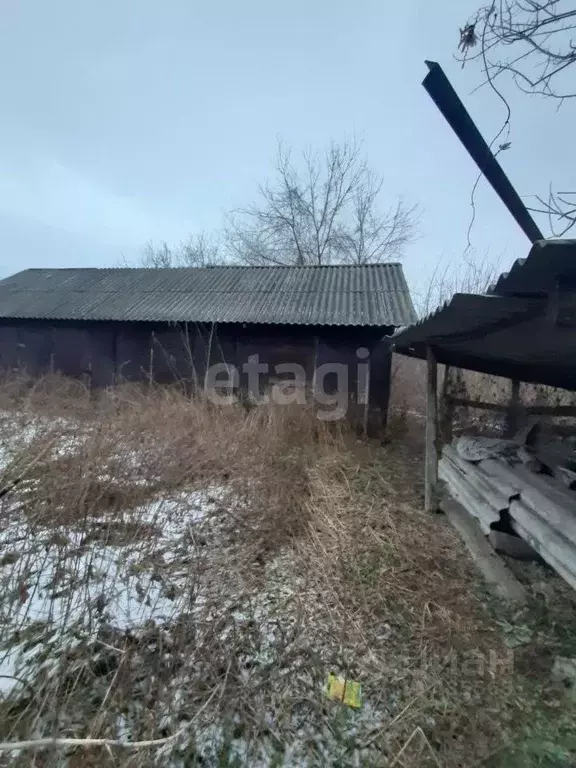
[531, 43]
[323, 214]
[199, 250]
[157, 256]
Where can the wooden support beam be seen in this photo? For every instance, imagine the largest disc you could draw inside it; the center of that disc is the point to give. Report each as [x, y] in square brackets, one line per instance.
[115, 365]
[514, 408]
[447, 407]
[379, 389]
[431, 467]
[530, 410]
[480, 404]
[551, 410]
[315, 366]
[151, 360]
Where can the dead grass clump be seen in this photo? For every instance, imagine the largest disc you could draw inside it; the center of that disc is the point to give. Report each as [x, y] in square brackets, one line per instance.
[53, 395]
[131, 443]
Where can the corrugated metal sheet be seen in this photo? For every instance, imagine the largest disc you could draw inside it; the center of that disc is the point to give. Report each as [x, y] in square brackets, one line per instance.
[530, 278]
[463, 314]
[332, 295]
[537, 274]
[509, 331]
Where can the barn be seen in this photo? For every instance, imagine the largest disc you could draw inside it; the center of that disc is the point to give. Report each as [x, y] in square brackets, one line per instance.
[166, 325]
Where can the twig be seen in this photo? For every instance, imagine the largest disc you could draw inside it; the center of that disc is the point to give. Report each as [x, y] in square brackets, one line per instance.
[111, 647]
[398, 717]
[19, 680]
[418, 730]
[406, 745]
[13, 483]
[7, 746]
[505, 125]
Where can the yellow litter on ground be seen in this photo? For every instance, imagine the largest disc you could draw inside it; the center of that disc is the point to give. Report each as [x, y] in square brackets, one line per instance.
[347, 691]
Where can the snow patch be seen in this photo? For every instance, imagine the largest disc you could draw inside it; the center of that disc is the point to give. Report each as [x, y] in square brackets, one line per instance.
[67, 579]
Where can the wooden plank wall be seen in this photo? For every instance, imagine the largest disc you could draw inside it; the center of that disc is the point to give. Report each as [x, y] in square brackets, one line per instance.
[104, 353]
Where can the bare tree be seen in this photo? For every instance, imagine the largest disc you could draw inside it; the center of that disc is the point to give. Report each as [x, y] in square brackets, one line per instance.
[324, 213]
[199, 250]
[157, 256]
[473, 274]
[531, 43]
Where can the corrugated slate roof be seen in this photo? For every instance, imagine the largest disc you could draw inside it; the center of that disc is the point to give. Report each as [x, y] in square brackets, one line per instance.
[375, 294]
[532, 277]
[537, 273]
[464, 313]
[507, 332]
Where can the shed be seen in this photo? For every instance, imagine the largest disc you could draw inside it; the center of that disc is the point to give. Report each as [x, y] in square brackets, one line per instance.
[329, 323]
[523, 328]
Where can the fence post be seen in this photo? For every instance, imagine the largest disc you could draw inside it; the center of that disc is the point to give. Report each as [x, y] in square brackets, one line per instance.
[431, 465]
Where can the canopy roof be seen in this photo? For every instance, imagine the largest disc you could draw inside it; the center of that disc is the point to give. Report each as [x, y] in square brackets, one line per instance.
[523, 328]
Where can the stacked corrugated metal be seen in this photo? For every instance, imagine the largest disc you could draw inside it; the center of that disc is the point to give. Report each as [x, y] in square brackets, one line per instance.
[502, 491]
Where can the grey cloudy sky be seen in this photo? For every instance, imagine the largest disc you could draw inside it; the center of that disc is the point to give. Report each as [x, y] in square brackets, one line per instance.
[126, 120]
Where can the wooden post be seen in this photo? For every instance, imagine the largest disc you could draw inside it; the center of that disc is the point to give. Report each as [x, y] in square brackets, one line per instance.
[513, 409]
[366, 398]
[115, 369]
[314, 367]
[431, 467]
[379, 391]
[446, 407]
[151, 361]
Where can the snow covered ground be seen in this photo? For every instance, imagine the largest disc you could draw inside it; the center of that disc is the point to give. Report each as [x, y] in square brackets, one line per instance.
[165, 603]
[67, 579]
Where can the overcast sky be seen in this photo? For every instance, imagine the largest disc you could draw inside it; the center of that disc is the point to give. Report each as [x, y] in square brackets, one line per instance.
[129, 120]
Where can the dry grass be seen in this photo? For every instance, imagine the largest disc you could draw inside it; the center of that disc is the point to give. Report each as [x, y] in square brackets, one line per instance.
[254, 551]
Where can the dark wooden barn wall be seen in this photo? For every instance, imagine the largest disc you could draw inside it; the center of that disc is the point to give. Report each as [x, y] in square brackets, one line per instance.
[104, 353]
[133, 352]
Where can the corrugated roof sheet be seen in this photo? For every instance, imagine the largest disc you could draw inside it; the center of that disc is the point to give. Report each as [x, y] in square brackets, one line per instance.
[536, 274]
[374, 295]
[464, 313]
[532, 277]
[507, 332]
